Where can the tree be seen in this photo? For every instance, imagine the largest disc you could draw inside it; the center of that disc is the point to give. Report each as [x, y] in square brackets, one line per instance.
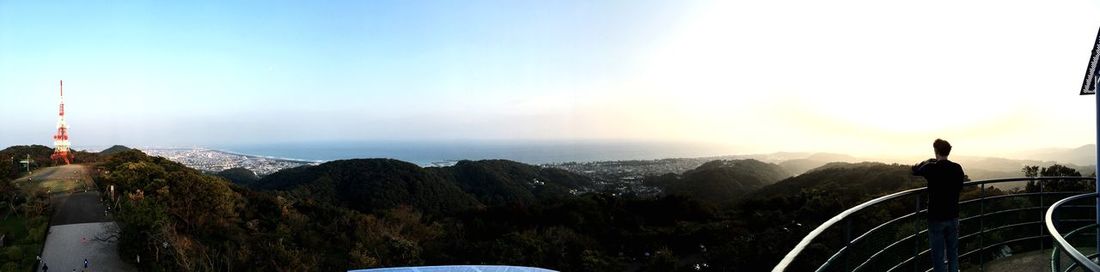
[1058, 170]
[1055, 170]
[1030, 171]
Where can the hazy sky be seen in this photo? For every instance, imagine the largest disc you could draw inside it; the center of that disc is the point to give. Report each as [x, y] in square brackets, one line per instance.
[860, 77]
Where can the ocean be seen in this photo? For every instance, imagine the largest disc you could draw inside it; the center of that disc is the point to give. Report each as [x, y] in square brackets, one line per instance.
[438, 152]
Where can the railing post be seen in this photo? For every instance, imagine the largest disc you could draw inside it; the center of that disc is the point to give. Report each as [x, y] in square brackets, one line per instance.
[1056, 264]
[916, 233]
[981, 230]
[1042, 230]
[847, 242]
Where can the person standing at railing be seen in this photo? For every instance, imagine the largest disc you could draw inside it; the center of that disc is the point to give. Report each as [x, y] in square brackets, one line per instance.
[945, 180]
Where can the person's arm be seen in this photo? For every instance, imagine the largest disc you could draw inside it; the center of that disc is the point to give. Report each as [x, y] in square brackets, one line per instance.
[919, 169]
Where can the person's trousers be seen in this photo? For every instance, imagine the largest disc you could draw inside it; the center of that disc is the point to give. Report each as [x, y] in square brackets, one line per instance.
[943, 236]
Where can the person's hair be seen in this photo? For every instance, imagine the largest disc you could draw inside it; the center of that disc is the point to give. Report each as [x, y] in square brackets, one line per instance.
[943, 148]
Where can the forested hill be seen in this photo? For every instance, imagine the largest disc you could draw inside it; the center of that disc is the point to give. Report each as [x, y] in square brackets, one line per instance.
[113, 150]
[501, 182]
[370, 184]
[239, 175]
[721, 181]
[850, 182]
[36, 152]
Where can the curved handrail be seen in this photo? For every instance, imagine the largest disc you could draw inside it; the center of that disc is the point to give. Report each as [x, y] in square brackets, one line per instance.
[1066, 247]
[790, 256]
[813, 234]
[1054, 254]
[1074, 265]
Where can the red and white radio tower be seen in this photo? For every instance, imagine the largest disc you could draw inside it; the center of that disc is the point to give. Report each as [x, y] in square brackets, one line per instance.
[61, 139]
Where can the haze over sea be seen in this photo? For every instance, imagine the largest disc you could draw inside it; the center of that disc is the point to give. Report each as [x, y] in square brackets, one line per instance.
[533, 152]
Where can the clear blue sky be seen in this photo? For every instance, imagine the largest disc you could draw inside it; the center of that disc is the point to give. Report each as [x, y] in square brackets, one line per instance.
[850, 76]
[155, 73]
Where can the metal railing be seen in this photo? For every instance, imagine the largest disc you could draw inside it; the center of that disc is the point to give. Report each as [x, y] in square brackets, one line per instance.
[1079, 260]
[994, 218]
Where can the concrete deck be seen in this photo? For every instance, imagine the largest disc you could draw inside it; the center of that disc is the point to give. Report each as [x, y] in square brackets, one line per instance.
[1027, 261]
[68, 245]
[1030, 261]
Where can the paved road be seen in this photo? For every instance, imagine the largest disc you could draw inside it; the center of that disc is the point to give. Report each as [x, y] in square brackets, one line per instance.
[77, 221]
[83, 207]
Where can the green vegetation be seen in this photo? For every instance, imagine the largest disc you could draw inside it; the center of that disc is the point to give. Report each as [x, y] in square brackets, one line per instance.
[369, 185]
[24, 218]
[1056, 170]
[501, 182]
[379, 212]
[23, 240]
[369, 213]
[239, 176]
[24, 212]
[11, 156]
[113, 150]
[723, 215]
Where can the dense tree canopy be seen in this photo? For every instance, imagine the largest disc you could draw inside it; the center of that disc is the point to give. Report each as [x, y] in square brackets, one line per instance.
[722, 216]
[240, 176]
[369, 185]
[335, 216]
[500, 182]
[378, 212]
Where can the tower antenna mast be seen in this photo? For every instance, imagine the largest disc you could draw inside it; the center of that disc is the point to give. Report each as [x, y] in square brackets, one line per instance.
[61, 139]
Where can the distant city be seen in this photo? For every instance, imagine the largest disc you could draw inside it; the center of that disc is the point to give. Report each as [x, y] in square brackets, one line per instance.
[214, 161]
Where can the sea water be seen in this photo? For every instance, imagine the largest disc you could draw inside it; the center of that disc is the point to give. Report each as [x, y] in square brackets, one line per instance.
[441, 152]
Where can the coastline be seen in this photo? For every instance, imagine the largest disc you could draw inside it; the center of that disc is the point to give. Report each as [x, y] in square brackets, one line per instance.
[435, 153]
[293, 160]
[282, 159]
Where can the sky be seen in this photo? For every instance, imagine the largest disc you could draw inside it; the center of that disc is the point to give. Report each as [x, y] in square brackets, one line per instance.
[856, 77]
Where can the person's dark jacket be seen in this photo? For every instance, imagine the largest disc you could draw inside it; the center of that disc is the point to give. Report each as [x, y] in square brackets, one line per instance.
[945, 179]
